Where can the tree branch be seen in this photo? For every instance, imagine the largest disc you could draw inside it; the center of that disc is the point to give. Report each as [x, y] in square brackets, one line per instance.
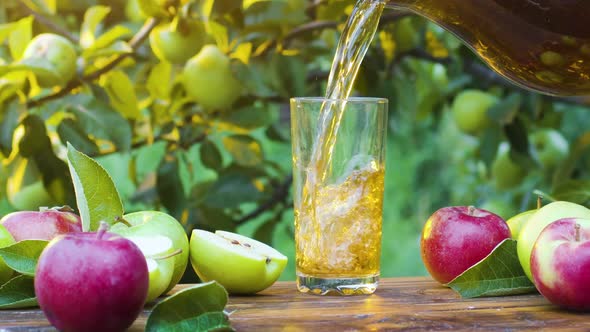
[279, 196]
[48, 23]
[134, 43]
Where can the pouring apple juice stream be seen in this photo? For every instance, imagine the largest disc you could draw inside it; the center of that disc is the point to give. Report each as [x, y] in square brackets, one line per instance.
[331, 240]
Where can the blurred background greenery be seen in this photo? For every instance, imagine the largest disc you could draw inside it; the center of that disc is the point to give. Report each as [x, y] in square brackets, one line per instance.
[203, 132]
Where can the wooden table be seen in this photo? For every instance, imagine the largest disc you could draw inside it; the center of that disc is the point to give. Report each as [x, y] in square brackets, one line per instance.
[411, 304]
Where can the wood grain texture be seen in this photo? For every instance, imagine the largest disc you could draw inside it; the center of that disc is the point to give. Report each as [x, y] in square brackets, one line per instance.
[409, 304]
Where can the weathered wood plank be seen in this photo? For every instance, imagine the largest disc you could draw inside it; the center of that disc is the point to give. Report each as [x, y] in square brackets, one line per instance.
[411, 304]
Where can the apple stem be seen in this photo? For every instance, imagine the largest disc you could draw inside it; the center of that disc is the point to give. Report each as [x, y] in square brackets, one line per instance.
[471, 210]
[103, 228]
[172, 254]
[577, 232]
[539, 201]
[123, 221]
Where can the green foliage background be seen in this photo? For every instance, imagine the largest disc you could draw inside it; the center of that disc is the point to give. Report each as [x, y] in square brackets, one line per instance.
[229, 168]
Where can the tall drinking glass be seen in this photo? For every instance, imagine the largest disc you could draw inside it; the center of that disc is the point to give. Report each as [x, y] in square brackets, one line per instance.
[338, 211]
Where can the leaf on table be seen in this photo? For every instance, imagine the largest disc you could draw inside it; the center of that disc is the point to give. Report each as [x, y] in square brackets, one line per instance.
[22, 256]
[198, 308]
[96, 195]
[18, 292]
[498, 274]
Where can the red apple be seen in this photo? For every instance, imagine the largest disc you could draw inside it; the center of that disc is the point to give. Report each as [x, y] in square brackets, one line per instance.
[560, 263]
[455, 238]
[44, 224]
[95, 281]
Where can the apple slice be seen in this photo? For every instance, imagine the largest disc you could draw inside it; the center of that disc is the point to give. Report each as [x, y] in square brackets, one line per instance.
[158, 251]
[160, 272]
[240, 264]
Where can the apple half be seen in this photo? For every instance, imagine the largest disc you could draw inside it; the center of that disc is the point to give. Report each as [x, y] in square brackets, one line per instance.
[158, 251]
[240, 264]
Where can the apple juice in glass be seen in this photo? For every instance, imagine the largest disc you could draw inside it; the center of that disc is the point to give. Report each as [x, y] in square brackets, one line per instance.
[338, 211]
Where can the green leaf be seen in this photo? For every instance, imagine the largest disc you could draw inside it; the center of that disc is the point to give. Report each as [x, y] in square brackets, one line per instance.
[219, 33]
[158, 82]
[245, 150]
[248, 118]
[22, 256]
[37, 65]
[36, 144]
[251, 79]
[18, 292]
[575, 191]
[96, 194]
[229, 191]
[99, 119]
[121, 91]
[109, 37]
[117, 48]
[210, 155]
[505, 111]
[8, 123]
[71, 131]
[92, 18]
[20, 37]
[498, 274]
[169, 186]
[198, 308]
[44, 6]
[216, 321]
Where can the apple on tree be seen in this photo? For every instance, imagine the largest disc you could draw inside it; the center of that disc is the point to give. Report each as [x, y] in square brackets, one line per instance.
[539, 220]
[550, 147]
[560, 263]
[152, 223]
[240, 264]
[455, 238]
[178, 41]
[5, 240]
[209, 81]
[505, 172]
[470, 109]
[44, 224]
[55, 52]
[91, 281]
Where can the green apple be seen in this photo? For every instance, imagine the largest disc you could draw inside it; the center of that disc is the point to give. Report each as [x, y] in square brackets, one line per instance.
[178, 41]
[550, 147]
[517, 222]
[150, 223]
[240, 264]
[5, 240]
[159, 253]
[470, 109]
[209, 81]
[505, 172]
[56, 52]
[538, 221]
